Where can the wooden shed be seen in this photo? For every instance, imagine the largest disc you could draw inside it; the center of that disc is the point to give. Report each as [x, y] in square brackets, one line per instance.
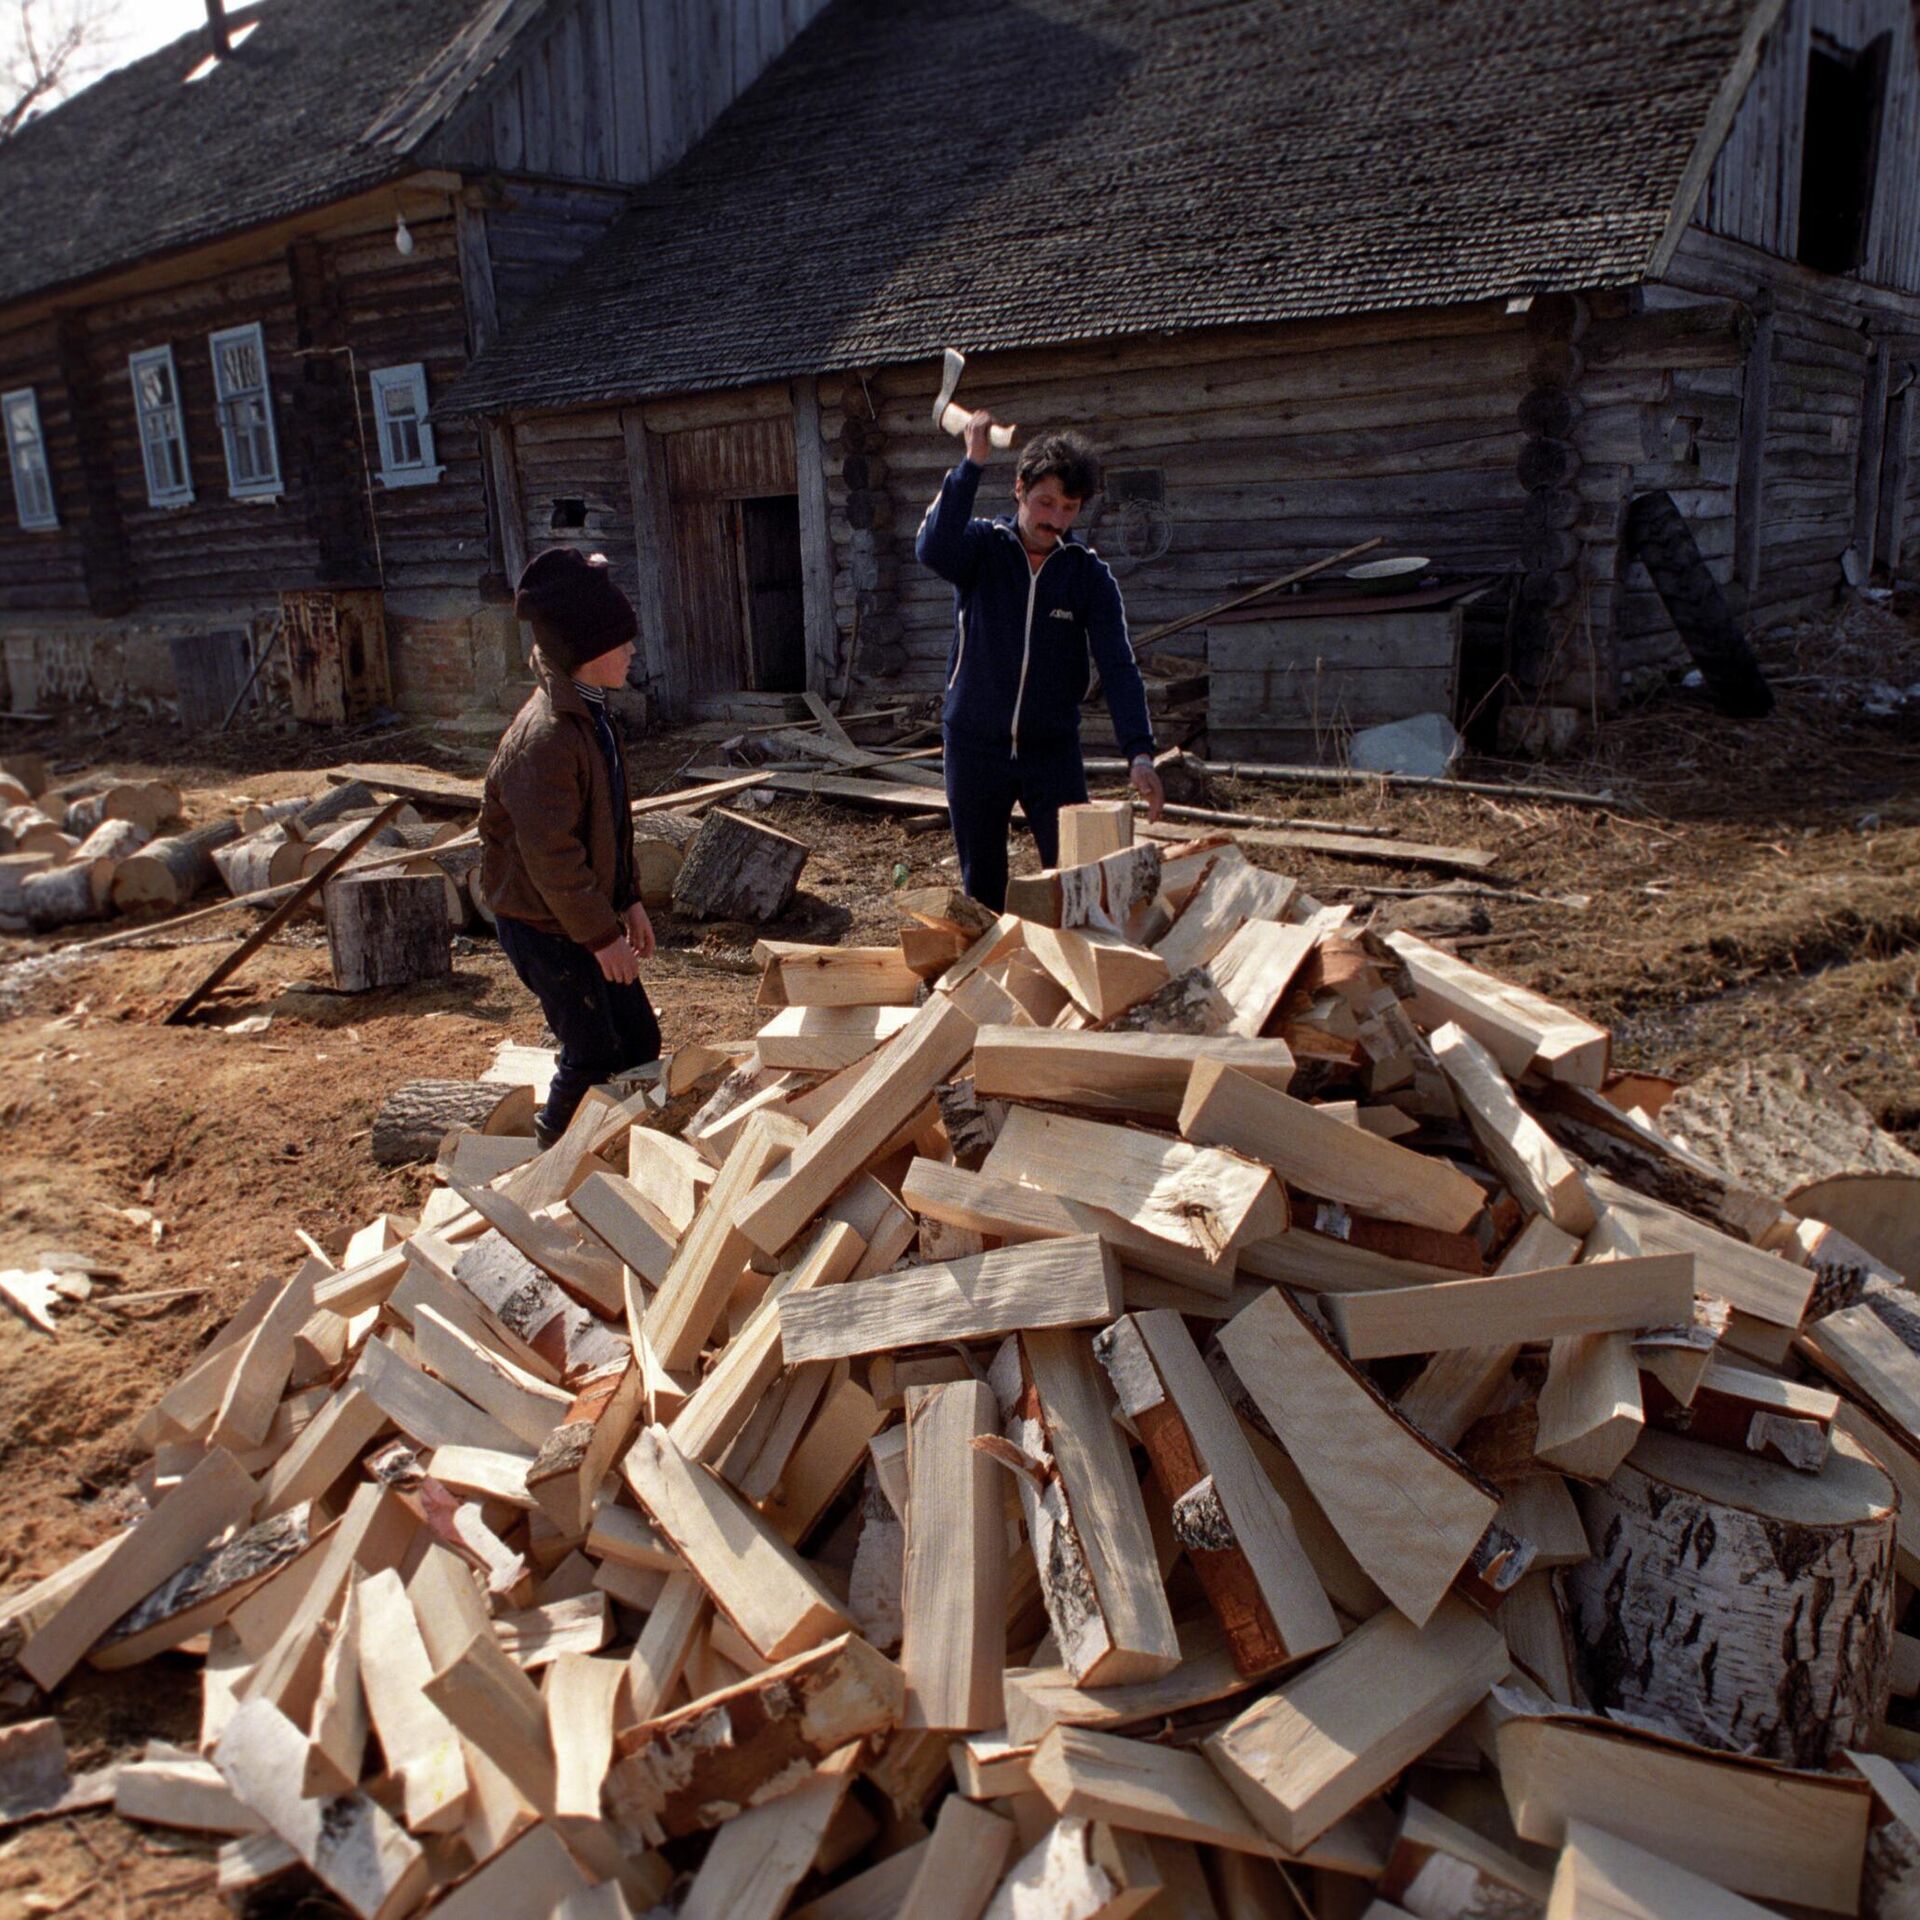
[1469, 277]
[239, 276]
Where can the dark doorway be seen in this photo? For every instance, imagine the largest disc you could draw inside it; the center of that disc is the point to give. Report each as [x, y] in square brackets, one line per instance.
[1840, 153]
[776, 610]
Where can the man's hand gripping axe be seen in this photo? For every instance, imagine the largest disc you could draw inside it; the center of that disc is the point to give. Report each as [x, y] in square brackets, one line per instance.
[950, 418]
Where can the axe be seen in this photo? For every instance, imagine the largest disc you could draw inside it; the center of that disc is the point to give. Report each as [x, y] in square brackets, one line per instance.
[950, 418]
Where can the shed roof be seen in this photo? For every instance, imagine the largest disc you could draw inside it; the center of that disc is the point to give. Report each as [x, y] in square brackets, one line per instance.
[1019, 173]
[142, 163]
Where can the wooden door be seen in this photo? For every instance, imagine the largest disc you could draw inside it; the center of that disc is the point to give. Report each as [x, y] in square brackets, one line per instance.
[730, 553]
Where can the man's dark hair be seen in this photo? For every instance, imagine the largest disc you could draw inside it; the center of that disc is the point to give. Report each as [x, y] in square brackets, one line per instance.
[1065, 457]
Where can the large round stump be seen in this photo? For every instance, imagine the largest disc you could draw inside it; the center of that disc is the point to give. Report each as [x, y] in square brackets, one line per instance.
[387, 930]
[1748, 1605]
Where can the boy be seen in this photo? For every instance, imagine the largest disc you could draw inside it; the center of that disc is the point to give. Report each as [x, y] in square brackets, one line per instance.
[1033, 613]
[557, 834]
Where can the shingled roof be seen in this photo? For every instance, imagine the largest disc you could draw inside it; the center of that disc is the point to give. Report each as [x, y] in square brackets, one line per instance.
[142, 163]
[1017, 173]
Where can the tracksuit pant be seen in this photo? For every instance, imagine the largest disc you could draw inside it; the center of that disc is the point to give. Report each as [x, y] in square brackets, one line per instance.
[981, 791]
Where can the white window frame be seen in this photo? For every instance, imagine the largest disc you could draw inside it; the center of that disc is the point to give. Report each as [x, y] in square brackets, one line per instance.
[33, 500]
[265, 485]
[161, 426]
[410, 380]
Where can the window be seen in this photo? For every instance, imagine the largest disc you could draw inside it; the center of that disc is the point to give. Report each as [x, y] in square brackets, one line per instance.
[400, 419]
[163, 432]
[1840, 152]
[246, 413]
[27, 455]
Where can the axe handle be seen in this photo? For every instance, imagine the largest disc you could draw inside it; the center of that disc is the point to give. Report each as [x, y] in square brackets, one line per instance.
[954, 418]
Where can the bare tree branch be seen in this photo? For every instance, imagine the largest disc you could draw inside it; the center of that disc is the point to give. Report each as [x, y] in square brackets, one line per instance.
[55, 47]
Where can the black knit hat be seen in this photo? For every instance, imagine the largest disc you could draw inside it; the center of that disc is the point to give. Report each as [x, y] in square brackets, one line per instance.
[577, 612]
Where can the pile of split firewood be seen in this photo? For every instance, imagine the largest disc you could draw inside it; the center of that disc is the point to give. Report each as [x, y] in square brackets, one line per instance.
[1159, 1402]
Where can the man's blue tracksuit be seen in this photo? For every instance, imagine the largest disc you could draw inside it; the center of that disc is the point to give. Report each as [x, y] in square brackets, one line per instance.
[1024, 645]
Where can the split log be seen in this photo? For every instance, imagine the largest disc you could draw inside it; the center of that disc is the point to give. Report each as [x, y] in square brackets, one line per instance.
[1698, 1608]
[477, 897]
[659, 852]
[269, 858]
[1092, 1547]
[1094, 829]
[418, 1114]
[58, 896]
[29, 769]
[387, 930]
[737, 869]
[165, 873]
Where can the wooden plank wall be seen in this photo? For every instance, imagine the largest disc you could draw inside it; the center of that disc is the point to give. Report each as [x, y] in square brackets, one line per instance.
[43, 571]
[1278, 445]
[1753, 193]
[539, 228]
[617, 90]
[579, 456]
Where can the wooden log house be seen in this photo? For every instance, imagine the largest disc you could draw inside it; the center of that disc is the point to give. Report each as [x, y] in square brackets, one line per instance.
[1307, 272]
[240, 273]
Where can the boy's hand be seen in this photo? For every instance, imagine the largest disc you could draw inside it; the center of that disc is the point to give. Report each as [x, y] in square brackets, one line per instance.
[640, 931]
[618, 962]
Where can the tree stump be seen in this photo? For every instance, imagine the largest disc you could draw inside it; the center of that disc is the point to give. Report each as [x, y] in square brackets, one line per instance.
[1748, 1605]
[737, 869]
[166, 872]
[268, 858]
[58, 896]
[387, 930]
[418, 1114]
[659, 851]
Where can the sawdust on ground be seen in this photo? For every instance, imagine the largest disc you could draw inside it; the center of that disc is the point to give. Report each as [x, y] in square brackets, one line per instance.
[1761, 897]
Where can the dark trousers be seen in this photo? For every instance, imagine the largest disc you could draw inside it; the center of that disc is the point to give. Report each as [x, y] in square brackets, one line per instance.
[603, 1028]
[981, 791]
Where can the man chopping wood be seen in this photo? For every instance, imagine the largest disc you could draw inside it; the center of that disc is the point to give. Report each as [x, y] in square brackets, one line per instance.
[557, 833]
[1034, 613]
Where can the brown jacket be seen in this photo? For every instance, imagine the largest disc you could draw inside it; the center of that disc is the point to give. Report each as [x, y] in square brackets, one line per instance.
[546, 821]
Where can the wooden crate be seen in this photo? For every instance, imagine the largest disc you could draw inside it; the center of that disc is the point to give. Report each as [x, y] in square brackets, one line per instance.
[1293, 691]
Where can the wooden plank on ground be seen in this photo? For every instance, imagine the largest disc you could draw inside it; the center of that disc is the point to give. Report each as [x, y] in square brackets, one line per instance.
[1342, 846]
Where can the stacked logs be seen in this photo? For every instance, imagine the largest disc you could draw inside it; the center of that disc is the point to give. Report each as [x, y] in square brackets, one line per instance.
[861, 511]
[1548, 466]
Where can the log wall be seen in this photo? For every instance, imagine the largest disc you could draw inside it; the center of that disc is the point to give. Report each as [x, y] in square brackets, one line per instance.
[1272, 447]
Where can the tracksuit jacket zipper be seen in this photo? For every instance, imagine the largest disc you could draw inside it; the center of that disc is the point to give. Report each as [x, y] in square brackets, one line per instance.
[1026, 639]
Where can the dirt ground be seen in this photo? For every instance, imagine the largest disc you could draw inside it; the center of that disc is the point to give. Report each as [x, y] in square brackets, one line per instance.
[1755, 889]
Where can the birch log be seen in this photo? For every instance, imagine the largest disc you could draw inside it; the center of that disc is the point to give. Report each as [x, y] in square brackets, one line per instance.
[1746, 1605]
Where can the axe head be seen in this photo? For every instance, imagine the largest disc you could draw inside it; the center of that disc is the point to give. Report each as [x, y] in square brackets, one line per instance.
[955, 366]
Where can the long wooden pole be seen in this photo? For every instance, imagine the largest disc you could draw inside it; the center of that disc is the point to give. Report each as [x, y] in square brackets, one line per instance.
[278, 918]
[1254, 593]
